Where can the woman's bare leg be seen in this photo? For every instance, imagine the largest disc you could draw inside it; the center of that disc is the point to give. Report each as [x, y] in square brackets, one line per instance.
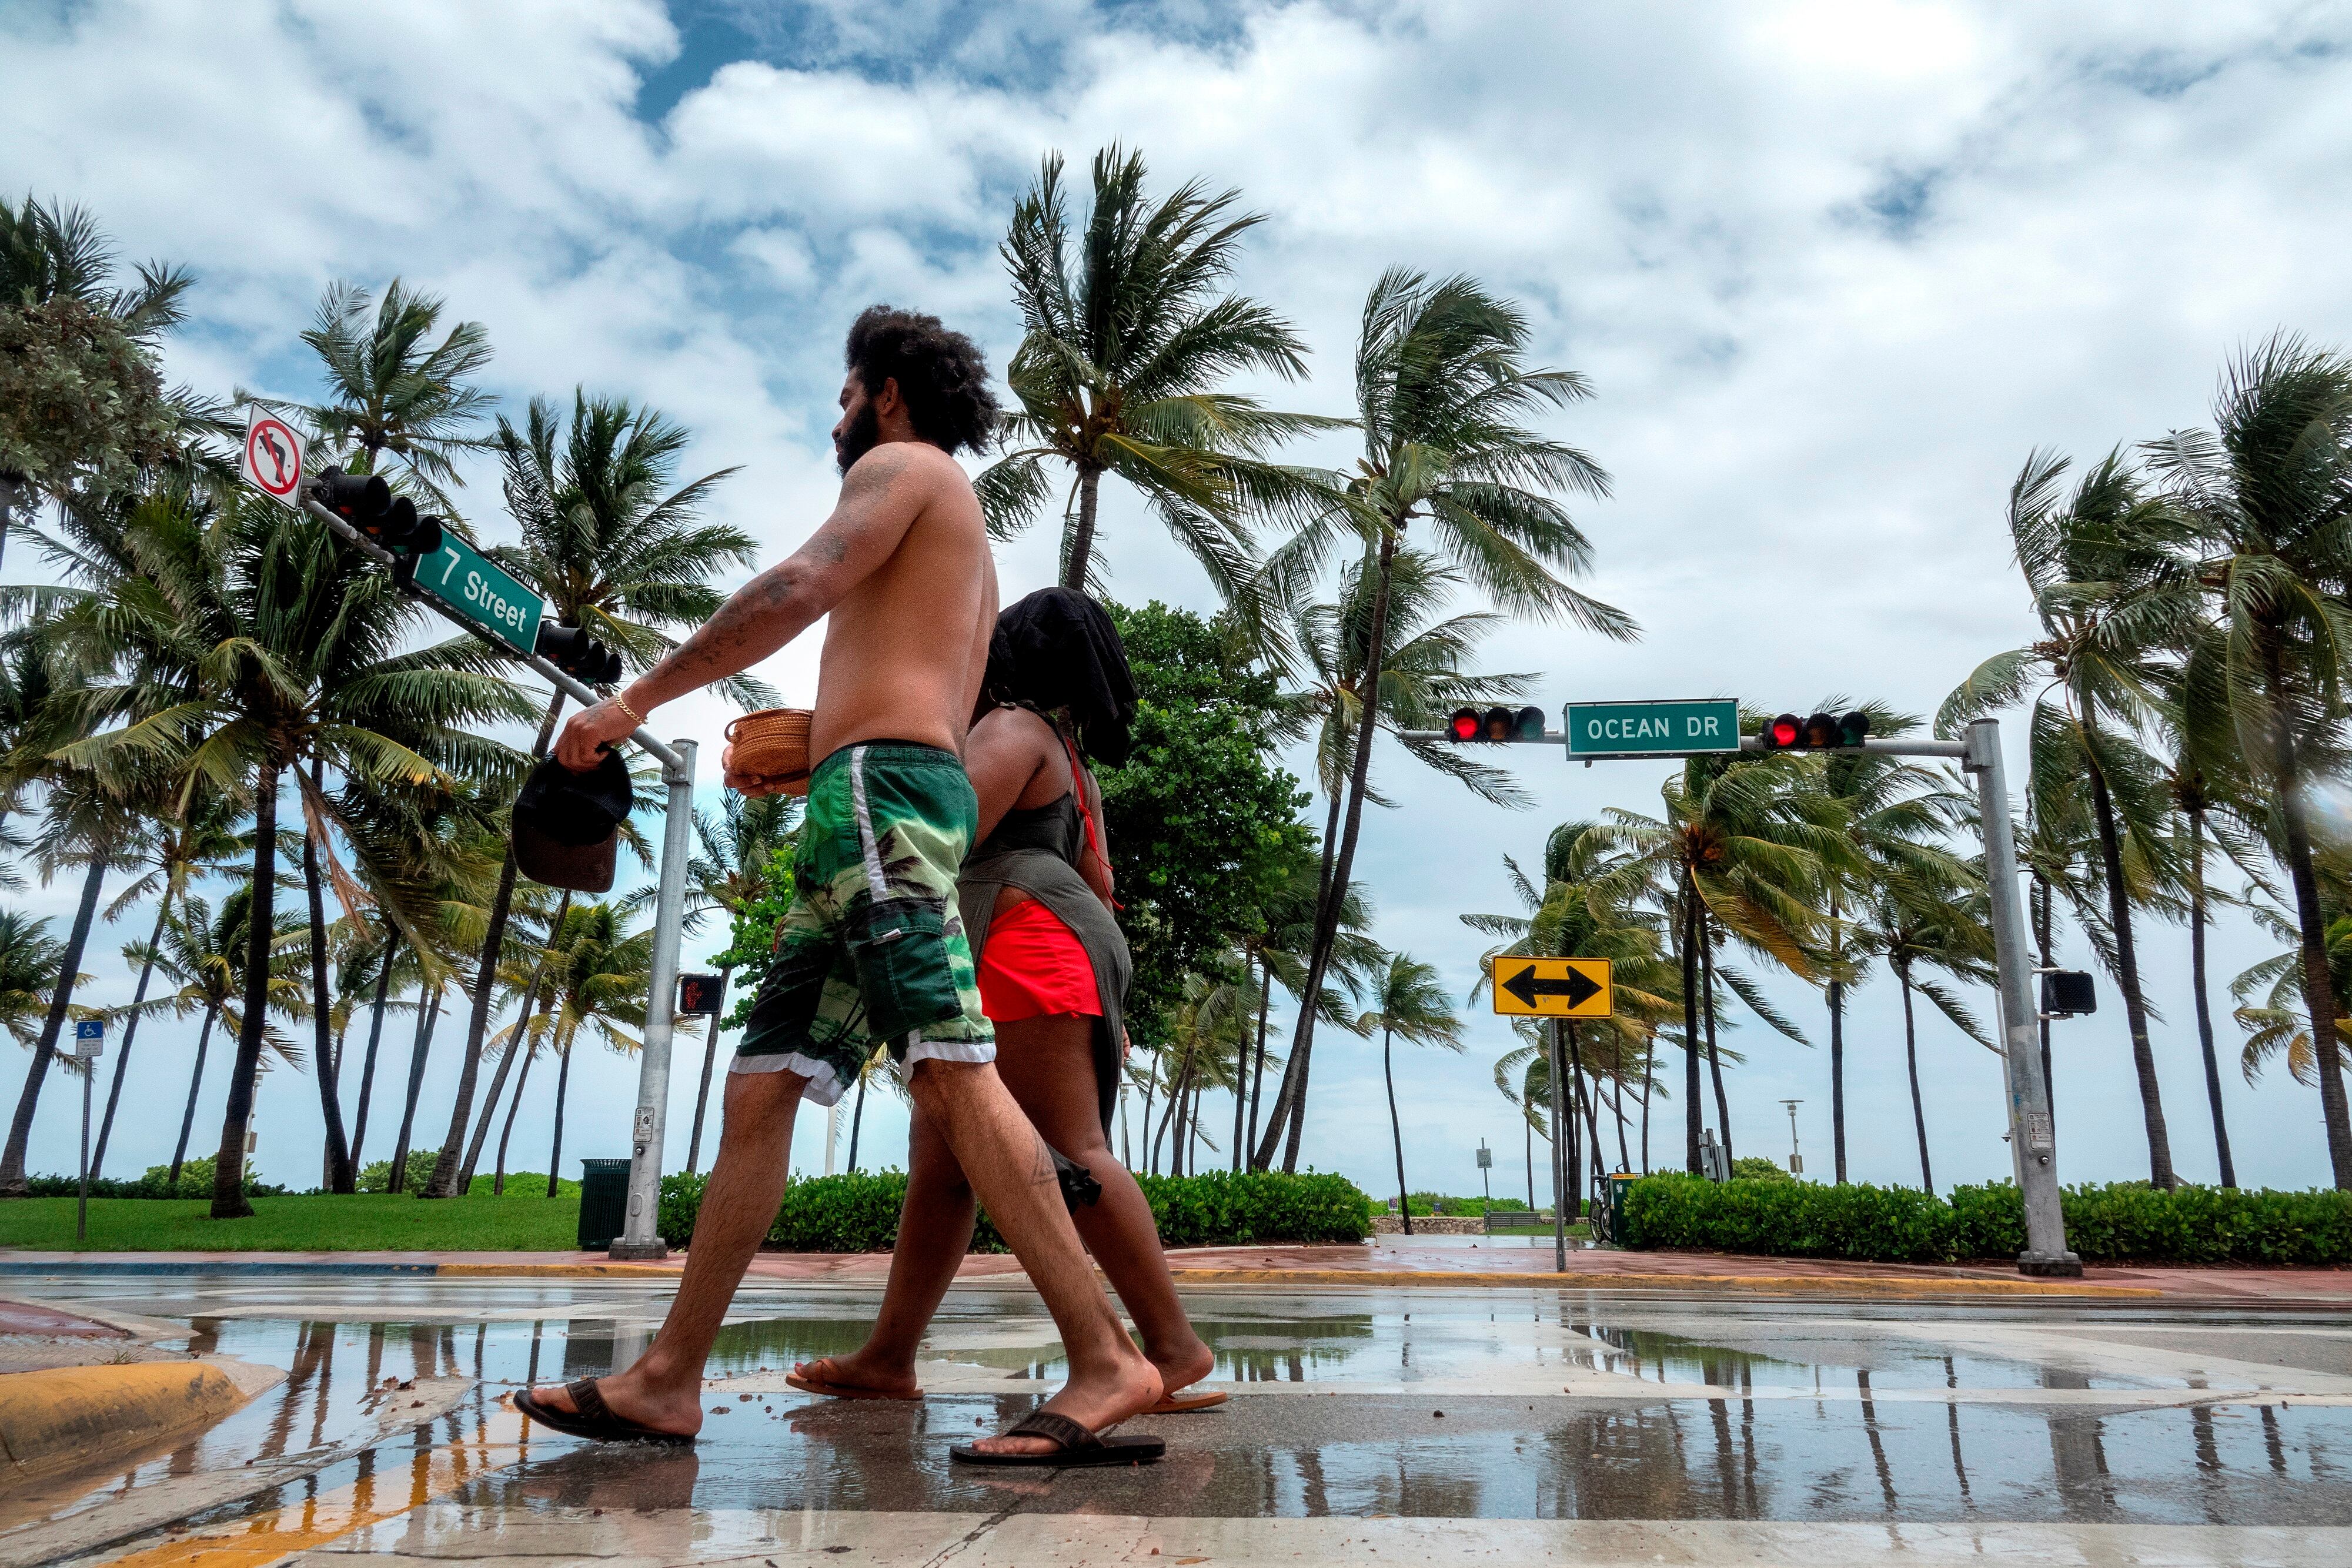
[1049, 1065]
[935, 1226]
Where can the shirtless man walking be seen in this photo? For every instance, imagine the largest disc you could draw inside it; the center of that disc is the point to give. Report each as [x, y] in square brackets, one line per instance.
[874, 945]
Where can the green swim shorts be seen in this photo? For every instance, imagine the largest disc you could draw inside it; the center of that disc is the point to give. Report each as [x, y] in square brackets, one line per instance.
[873, 948]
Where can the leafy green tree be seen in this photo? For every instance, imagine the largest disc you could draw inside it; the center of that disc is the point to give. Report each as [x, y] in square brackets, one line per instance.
[82, 406]
[2113, 596]
[1204, 825]
[2266, 493]
[1129, 337]
[1408, 1001]
[1442, 383]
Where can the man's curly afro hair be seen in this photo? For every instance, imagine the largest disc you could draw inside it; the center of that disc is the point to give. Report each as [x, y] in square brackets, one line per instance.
[940, 373]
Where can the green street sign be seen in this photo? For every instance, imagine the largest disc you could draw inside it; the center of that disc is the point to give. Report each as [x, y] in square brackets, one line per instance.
[1652, 728]
[461, 578]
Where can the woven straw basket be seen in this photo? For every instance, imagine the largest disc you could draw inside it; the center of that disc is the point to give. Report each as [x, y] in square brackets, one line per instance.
[773, 745]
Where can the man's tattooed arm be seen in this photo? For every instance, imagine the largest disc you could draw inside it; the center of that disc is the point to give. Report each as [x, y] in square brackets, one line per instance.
[880, 500]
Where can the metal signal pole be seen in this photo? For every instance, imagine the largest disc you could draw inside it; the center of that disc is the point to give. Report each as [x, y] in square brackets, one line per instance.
[1558, 1165]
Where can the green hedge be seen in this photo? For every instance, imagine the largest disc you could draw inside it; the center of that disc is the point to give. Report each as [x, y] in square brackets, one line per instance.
[195, 1181]
[860, 1213]
[2122, 1222]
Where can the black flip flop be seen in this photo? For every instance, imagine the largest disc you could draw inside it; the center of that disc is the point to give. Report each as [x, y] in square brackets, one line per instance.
[591, 1418]
[1079, 1446]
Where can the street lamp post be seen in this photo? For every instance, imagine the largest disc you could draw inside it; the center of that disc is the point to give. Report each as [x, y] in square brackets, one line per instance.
[1796, 1160]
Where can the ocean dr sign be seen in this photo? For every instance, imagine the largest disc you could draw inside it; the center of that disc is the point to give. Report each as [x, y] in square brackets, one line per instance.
[1652, 728]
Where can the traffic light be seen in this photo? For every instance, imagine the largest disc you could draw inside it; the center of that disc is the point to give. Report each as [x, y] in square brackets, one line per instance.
[367, 503]
[1821, 732]
[577, 654]
[700, 995]
[2068, 993]
[1496, 723]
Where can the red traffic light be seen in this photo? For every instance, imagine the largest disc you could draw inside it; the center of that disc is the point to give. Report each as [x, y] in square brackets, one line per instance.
[1466, 724]
[1821, 732]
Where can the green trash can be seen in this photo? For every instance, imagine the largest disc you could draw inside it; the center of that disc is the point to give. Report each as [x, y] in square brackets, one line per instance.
[1621, 1183]
[603, 1202]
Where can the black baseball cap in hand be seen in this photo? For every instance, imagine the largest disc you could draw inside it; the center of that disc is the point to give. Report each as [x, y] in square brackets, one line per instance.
[567, 825]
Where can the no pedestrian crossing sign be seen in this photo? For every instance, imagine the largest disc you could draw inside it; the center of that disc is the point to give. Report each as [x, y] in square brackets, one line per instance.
[89, 1039]
[272, 462]
[1552, 987]
[1652, 728]
[460, 577]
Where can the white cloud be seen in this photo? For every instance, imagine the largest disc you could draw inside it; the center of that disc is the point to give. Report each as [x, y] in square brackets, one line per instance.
[1834, 269]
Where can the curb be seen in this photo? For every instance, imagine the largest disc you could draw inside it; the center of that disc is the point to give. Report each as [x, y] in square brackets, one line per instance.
[1779, 1284]
[71, 1416]
[1773, 1284]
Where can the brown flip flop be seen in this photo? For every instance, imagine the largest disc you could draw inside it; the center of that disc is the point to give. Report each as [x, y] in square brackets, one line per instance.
[1180, 1403]
[841, 1390]
[1079, 1447]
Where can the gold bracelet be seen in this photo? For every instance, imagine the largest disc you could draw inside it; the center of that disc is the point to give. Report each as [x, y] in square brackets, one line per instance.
[622, 704]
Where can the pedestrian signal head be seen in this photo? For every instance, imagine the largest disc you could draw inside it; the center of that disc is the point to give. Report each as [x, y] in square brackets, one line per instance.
[1821, 732]
[577, 654]
[700, 996]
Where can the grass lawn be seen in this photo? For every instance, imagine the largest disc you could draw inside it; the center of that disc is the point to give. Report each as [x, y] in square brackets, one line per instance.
[364, 1223]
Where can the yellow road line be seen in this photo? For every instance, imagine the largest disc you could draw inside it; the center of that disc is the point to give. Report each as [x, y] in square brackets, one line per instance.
[497, 1444]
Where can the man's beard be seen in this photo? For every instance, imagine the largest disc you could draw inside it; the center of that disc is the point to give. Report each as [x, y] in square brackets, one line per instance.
[864, 433]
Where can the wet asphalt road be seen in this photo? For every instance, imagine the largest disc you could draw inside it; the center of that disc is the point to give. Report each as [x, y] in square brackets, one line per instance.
[1494, 1424]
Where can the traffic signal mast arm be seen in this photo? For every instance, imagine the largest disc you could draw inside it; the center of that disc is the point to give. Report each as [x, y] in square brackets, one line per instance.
[578, 691]
[1952, 748]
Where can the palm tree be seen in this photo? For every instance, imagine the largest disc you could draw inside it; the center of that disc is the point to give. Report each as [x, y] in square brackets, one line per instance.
[391, 390]
[1128, 338]
[88, 830]
[600, 973]
[610, 553]
[1440, 383]
[1591, 904]
[1747, 844]
[290, 648]
[2112, 596]
[177, 849]
[2266, 493]
[746, 857]
[1894, 812]
[29, 960]
[1931, 924]
[526, 971]
[1408, 1001]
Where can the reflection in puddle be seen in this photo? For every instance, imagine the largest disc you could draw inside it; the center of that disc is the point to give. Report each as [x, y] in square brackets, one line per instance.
[1857, 1453]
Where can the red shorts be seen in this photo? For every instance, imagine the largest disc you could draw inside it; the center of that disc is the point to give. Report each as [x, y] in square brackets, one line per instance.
[1034, 966]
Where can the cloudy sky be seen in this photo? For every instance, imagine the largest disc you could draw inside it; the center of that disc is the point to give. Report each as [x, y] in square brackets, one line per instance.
[1833, 269]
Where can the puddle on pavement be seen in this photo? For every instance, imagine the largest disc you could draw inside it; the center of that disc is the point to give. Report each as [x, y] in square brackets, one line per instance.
[1851, 1458]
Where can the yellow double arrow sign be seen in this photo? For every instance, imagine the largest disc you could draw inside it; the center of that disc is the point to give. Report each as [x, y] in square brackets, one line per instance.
[1552, 987]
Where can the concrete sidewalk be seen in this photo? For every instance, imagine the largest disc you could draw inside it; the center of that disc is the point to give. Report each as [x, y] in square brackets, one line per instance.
[1385, 1261]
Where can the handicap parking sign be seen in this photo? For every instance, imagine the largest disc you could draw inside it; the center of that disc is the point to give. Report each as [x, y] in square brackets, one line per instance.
[89, 1039]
